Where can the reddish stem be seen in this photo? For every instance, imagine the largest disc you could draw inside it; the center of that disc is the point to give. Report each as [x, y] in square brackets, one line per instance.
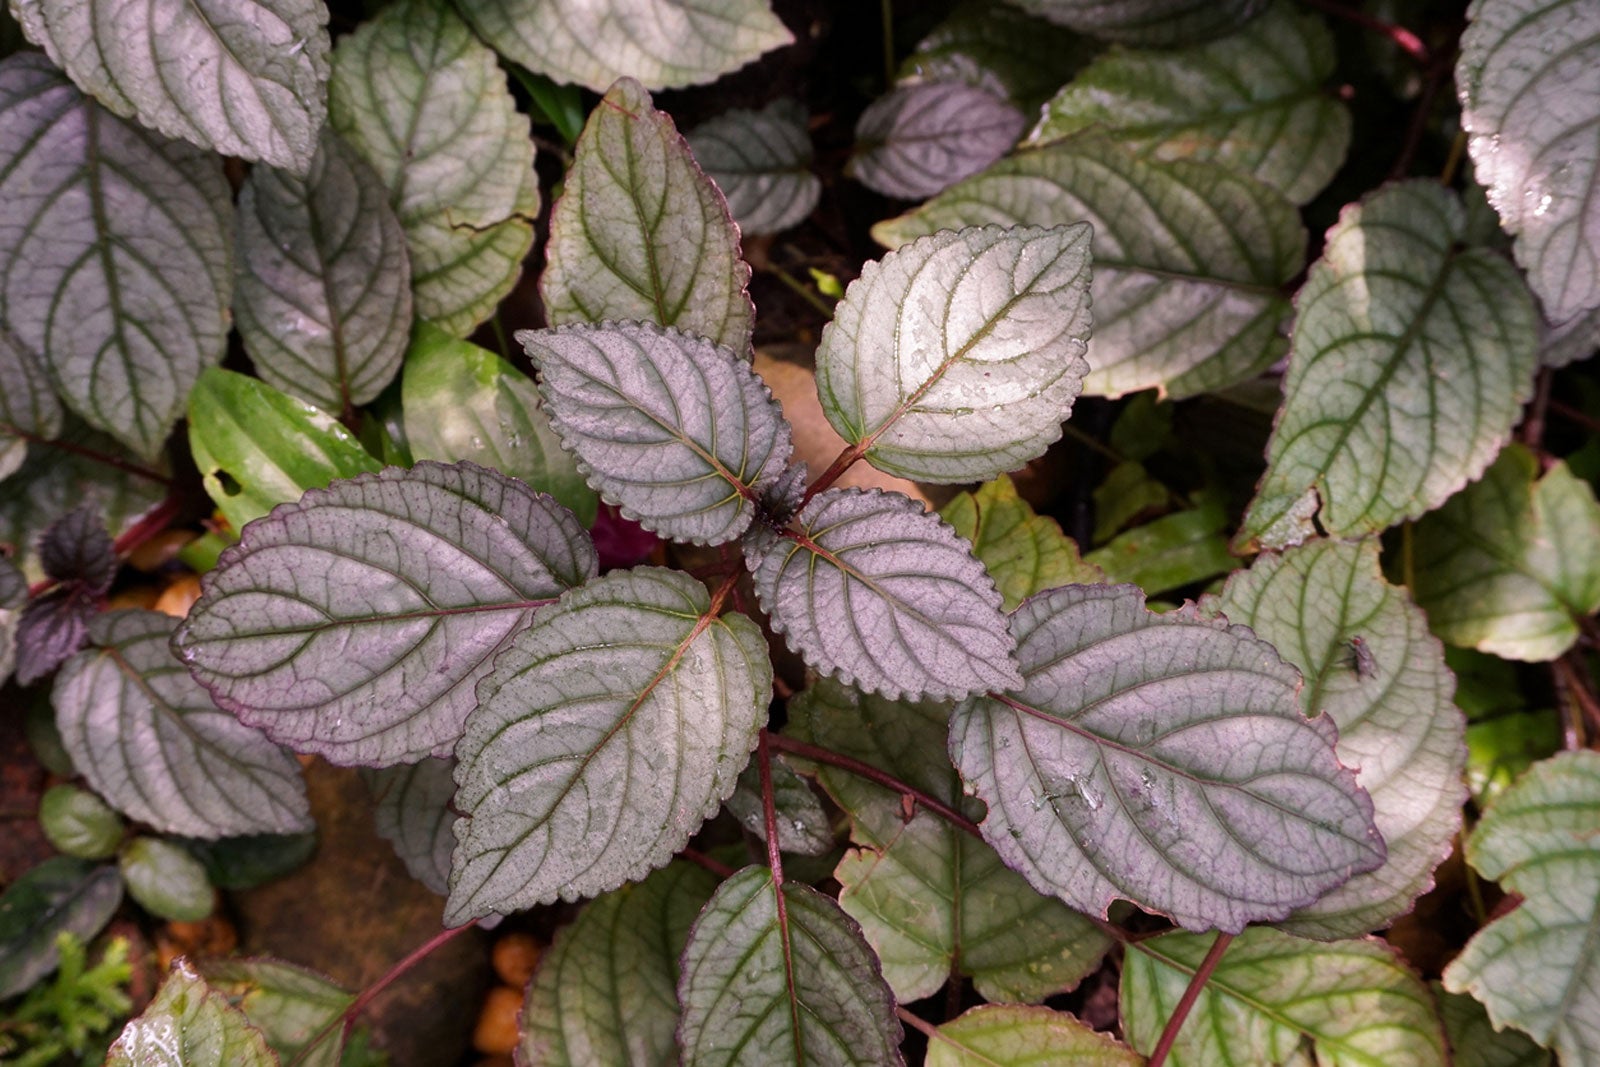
[715, 866]
[873, 774]
[1202, 975]
[841, 463]
[1403, 39]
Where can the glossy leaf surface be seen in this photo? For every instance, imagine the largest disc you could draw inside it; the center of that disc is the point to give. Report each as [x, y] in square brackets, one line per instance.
[166, 880]
[413, 814]
[761, 160]
[1162, 759]
[356, 622]
[1024, 552]
[189, 1024]
[917, 140]
[1010, 1035]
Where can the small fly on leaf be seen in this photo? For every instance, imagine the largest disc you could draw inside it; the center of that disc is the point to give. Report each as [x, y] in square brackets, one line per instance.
[1360, 658]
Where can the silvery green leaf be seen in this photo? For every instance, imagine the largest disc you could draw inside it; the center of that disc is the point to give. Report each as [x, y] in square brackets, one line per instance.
[115, 254]
[663, 43]
[460, 401]
[676, 430]
[1190, 259]
[869, 587]
[323, 294]
[1254, 101]
[917, 140]
[957, 357]
[1413, 354]
[609, 730]
[1535, 967]
[1025, 553]
[930, 898]
[166, 880]
[782, 979]
[1013, 1035]
[1507, 566]
[994, 46]
[413, 814]
[606, 991]
[60, 895]
[1574, 340]
[290, 1005]
[1161, 759]
[427, 106]
[149, 740]
[355, 623]
[29, 409]
[1529, 82]
[1278, 999]
[761, 160]
[1474, 1042]
[1370, 663]
[242, 77]
[641, 233]
[1152, 23]
[189, 1024]
[803, 827]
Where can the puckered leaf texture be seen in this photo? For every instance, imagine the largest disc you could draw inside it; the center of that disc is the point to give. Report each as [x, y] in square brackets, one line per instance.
[761, 160]
[919, 139]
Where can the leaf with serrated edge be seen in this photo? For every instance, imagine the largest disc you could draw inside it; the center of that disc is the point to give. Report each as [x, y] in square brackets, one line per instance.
[246, 78]
[189, 1024]
[323, 294]
[761, 160]
[1253, 101]
[917, 140]
[427, 106]
[413, 814]
[270, 446]
[803, 827]
[290, 1005]
[149, 740]
[1025, 553]
[115, 254]
[1190, 258]
[609, 730]
[606, 988]
[1474, 1042]
[1010, 1035]
[869, 587]
[1412, 358]
[1370, 663]
[1354, 1002]
[1535, 968]
[29, 409]
[1154, 23]
[1508, 566]
[1162, 759]
[641, 233]
[781, 974]
[996, 47]
[1529, 82]
[355, 623]
[957, 357]
[676, 430]
[929, 897]
[664, 43]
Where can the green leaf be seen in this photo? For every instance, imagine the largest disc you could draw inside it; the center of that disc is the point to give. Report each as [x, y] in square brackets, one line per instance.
[243, 77]
[1127, 493]
[189, 1024]
[641, 233]
[1010, 1035]
[1535, 968]
[1354, 1003]
[257, 448]
[1474, 1042]
[957, 357]
[78, 823]
[1023, 552]
[606, 989]
[803, 827]
[356, 623]
[323, 292]
[930, 898]
[1189, 258]
[869, 587]
[761, 160]
[1412, 357]
[1170, 552]
[1155, 23]
[662, 43]
[464, 402]
[996, 47]
[413, 814]
[427, 106]
[1253, 101]
[165, 880]
[1507, 566]
[780, 974]
[1162, 759]
[115, 254]
[675, 429]
[29, 409]
[1529, 82]
[290, 1005]
[920, 139]
[149, 740]
[609, 730]
[61, 894]
[253, 859]
[1370, 663]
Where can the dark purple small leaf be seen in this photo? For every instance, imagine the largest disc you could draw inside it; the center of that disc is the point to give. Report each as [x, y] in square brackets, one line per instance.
[77, 548]
[51, 629]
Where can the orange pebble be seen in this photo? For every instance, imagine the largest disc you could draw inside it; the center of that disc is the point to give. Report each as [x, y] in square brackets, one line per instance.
[497, 1031]
[179, 597]
[138, 596]
[515, 956]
